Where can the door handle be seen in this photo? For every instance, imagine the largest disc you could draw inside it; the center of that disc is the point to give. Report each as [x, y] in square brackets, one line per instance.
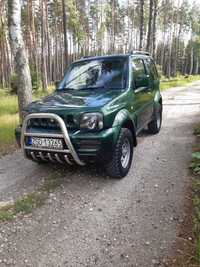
[140, 89]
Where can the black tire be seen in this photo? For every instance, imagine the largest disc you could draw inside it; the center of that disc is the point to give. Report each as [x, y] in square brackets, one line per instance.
[155, 125]
[115, 168]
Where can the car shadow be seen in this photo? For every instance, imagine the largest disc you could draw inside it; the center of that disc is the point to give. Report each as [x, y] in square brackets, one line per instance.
[144, 133]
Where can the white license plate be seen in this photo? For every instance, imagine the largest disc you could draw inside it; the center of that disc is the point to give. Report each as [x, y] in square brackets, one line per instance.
[50, 143]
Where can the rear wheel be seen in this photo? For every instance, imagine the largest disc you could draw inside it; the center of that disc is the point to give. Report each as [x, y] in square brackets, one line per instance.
[120, 164]
[155, 125]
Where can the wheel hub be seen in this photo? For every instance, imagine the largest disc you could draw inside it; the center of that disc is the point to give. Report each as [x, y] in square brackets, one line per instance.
[126, 151]
[158, 120]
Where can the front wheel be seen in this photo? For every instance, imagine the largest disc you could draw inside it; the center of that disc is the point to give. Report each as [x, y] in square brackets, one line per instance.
[120, 164]
[155, 125]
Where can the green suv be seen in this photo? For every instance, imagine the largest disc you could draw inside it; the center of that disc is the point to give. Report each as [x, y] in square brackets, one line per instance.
[95, 113]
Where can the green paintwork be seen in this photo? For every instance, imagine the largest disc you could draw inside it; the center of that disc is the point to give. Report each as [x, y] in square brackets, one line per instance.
[119, 107]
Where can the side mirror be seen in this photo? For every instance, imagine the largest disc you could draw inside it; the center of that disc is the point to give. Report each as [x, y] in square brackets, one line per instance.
[56, 83]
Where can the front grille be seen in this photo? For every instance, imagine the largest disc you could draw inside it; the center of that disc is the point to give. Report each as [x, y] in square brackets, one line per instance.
[51, 123]
[43, 123]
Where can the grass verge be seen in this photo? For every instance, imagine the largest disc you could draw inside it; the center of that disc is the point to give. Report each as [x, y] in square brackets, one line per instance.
[187, 246]
[31, 201]
[195, 167]
[9, 118]
[178, 81]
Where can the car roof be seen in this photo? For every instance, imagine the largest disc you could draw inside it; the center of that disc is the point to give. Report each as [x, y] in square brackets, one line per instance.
[134, 53]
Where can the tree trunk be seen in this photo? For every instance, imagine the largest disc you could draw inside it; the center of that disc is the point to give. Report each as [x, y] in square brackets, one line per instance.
[155, 13]
[141, 24]
[49, 79]
[65, 32]
[20, 57]
[176, 40]
[150, 25]
[44, 48]
[191, 61]
[197, 66]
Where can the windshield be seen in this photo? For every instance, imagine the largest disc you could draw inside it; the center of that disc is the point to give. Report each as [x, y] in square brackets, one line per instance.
[95, 74]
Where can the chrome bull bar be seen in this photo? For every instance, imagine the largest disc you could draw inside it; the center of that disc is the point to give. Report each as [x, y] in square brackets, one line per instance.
[64, 134]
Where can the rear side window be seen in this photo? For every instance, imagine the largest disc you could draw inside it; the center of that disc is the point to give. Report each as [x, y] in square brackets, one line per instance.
[152, 68]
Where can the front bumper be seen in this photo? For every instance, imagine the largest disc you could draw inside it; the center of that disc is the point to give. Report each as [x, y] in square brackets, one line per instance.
[82, 147]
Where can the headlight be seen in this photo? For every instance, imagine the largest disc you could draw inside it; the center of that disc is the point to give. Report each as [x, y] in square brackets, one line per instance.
[91, 121]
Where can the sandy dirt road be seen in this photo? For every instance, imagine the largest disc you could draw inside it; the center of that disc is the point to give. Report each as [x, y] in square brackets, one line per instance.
[95, 221]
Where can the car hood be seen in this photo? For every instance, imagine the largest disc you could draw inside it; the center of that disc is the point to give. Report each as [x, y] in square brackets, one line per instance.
[74, 99]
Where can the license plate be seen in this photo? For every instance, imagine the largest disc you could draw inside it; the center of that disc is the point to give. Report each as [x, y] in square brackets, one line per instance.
[51, 143]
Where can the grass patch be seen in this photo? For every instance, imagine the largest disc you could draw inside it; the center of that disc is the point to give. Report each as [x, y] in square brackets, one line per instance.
[6, 214]
[33, 200]
[28, 203]
[195, 167]
[9, 117]
[8, 123]
[8, 103]
[24, 205]
[178, 81]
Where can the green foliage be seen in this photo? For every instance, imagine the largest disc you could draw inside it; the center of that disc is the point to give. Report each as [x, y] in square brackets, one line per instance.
[196, 155]
[27, 203]
[6, 215]
[197, 130]
[195, 165]
[74, 22]
[197, 258]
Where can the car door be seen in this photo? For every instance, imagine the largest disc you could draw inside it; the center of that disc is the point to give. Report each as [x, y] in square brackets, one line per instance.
[153, 79]
[142, 94]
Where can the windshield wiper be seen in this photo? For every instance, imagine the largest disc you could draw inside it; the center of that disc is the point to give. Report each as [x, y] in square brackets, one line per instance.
[65, 88]
[91, 88]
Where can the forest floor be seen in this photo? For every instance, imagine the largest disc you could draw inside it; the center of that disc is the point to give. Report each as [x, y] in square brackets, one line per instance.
[87, 219]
